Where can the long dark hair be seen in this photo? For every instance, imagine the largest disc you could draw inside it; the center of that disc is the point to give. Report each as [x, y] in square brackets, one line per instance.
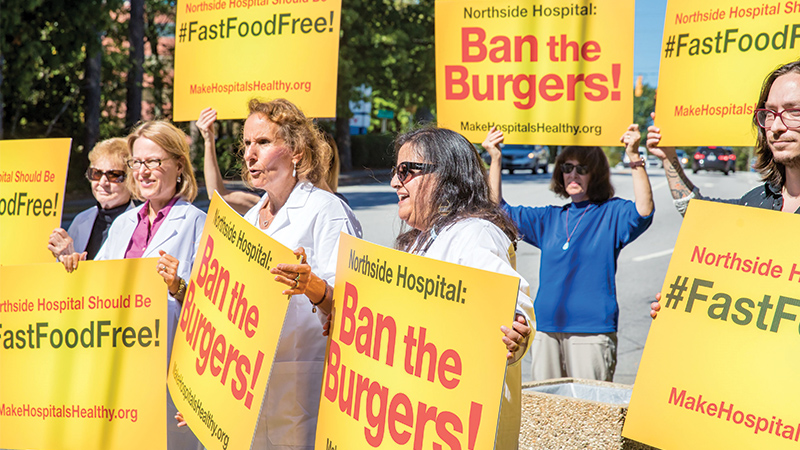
[771, 171]
[458, 186]
[600, 188]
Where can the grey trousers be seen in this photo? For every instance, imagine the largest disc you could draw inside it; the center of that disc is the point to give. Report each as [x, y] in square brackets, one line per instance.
[575, 355]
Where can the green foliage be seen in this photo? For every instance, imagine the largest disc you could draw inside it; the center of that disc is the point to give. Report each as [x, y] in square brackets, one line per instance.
[159, 22]
[614, 155]
[387, 45]
[642, 107]
[44, 46]
[743, 155]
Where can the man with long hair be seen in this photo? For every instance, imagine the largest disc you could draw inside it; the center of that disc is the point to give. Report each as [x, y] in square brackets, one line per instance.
[777, 119]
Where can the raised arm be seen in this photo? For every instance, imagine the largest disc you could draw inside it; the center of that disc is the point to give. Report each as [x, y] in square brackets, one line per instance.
[238, 200]
[679, 184]
[642, 192]
[492, 145]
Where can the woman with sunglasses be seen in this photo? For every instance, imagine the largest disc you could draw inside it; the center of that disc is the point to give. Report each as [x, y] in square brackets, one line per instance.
[286, 156]
[576, 304]
[166, 225]
[444, 199]
[89, 228]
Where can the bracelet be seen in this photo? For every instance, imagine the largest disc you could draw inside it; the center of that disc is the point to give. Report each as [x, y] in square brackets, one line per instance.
[181, 290]
[639, 163]
[324, 295]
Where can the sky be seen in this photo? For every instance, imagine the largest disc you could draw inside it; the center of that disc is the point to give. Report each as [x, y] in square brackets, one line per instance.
[648, 31]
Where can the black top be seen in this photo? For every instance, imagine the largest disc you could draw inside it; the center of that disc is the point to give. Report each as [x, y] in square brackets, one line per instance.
[766, 196]
[100, 228]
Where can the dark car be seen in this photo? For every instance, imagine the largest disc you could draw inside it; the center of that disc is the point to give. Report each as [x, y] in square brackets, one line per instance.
[722, 159]
[525, 157]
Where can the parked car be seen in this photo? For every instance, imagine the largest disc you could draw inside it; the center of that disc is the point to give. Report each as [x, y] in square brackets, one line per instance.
[648, 158]
[654, 161]
[524, 157]
[722, 159]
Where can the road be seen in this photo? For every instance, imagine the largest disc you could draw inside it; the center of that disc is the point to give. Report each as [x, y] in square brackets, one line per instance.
[641, 267]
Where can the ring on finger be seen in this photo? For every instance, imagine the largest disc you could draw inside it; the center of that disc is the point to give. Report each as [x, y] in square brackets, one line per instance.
[297, 277]
[162, 268]
[296, 283]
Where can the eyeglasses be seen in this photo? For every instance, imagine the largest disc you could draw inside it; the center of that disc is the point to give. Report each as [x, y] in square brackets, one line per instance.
[114, 176]
[568, 168]
[403, 170]
[136, 164]
[766, 117]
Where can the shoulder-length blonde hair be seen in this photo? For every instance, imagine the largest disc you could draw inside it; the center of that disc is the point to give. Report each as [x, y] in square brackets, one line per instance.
[173, 141]
[300, 134]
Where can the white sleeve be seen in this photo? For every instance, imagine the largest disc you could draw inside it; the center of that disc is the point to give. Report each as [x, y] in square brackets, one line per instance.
[489, 250]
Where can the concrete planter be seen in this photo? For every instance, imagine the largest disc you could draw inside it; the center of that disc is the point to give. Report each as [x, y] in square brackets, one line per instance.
[568, 413]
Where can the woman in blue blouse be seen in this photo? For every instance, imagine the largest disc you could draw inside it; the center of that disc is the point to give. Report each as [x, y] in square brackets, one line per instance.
[576, 304]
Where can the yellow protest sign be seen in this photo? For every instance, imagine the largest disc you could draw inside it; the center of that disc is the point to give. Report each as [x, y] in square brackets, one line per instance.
[719, 369]
[544, 73]
[714, 59]
[33, 173]
[83, 356]
[228, 331]
[415, 356]
[229, 51]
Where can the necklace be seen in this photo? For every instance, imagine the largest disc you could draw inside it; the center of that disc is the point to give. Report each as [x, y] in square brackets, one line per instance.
[263, 220]
[566, 226]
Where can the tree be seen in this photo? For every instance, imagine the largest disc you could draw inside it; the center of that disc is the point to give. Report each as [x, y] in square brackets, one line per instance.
[56, 71]
[44, 46]
[136, 72]
[53, 83]
[387, 45]
[92, 97]
[159, 32]
[643, 106]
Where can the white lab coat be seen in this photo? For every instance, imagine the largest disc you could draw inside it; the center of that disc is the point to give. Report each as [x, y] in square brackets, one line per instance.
[81, 227]
[481, 244]
[179, 235]
[311, 218]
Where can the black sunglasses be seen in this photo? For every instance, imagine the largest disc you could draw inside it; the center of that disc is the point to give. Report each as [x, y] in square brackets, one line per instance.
[114, 176]
[403, 170]
[568, 167]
